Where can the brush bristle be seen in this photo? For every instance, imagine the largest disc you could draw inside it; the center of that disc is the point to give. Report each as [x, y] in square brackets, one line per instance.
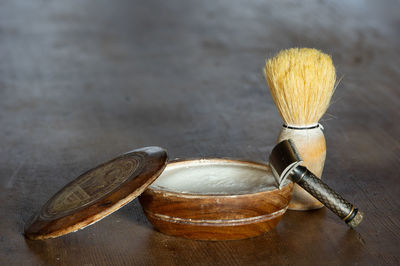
[301, 81]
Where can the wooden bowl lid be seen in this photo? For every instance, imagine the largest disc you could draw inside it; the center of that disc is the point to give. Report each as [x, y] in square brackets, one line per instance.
[98, 193]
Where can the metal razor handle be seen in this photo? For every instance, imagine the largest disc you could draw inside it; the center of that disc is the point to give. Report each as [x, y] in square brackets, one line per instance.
[332, 200]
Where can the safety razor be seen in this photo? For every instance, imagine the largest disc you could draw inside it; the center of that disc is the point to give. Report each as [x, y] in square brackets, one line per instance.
[285, 165]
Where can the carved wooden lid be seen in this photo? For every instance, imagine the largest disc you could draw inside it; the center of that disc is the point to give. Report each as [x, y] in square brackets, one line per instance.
[98, 193]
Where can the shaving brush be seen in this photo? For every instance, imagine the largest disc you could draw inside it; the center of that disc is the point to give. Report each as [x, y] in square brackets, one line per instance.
[301, 82]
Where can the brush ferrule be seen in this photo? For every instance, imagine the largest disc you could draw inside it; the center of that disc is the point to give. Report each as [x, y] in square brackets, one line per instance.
[303, 127]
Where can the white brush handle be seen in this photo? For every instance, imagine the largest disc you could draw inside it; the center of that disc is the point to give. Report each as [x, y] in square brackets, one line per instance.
[311, 145]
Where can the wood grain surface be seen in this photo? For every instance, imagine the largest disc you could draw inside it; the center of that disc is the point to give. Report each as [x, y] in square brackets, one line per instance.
[84, 81]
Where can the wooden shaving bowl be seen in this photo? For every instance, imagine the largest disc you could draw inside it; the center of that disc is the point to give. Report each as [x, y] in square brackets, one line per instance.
[218, 208]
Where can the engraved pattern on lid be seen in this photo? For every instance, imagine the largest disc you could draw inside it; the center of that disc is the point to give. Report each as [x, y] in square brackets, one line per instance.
[92, 186]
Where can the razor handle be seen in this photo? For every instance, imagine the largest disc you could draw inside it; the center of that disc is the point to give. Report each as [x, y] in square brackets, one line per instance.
[332, 200]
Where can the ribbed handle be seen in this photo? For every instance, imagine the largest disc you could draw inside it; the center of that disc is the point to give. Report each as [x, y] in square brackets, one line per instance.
[333, 201]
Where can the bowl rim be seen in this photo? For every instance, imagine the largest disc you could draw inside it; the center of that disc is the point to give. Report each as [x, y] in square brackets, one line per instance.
[219, 195]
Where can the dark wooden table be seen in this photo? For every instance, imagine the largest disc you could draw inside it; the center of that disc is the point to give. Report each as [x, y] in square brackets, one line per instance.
[83, 81]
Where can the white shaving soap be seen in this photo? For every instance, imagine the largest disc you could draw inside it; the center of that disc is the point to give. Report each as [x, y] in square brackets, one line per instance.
[215, 177]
